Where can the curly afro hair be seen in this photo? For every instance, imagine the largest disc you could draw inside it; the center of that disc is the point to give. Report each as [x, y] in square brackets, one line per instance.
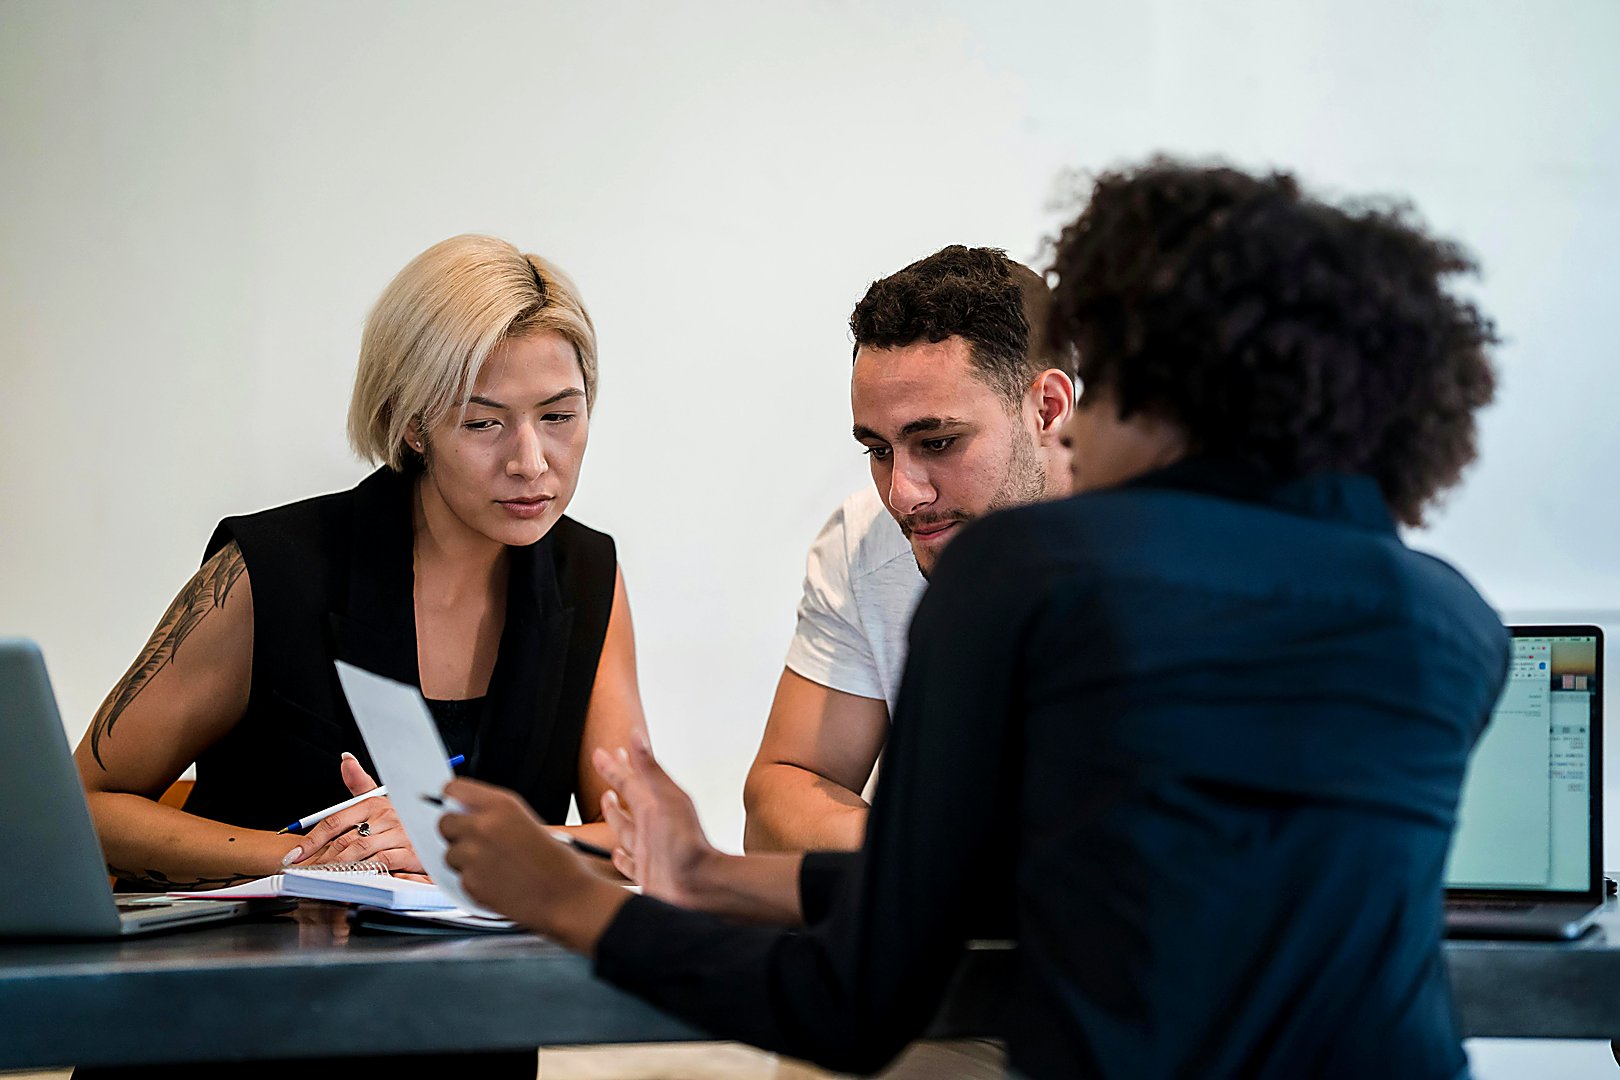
[1276, 328]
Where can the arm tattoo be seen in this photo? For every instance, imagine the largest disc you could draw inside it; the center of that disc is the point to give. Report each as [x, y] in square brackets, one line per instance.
[205, 592]
[161, 882]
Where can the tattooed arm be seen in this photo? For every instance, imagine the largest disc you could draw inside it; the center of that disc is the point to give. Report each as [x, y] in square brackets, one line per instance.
[187, 688]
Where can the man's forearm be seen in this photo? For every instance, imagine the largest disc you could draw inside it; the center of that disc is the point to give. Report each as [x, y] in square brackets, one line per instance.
[793, 809]
[753, 888]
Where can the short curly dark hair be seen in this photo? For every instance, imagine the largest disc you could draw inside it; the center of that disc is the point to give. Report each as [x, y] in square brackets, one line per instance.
[998, 306]
[1276, 328]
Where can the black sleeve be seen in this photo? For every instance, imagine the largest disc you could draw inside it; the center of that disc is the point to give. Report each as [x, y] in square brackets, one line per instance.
[851, 989]
[820, 875]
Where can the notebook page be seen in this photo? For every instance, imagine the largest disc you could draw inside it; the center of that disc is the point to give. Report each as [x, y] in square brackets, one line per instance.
[377, 890]
[274, 885]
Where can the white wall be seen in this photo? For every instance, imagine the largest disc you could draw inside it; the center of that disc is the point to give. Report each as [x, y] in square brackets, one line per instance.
[203, 199]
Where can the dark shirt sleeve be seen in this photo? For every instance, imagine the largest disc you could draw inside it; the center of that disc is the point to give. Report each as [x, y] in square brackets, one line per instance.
[852, 988]
[820, 876]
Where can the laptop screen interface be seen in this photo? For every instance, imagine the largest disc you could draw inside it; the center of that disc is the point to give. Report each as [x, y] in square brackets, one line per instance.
[1524, 821]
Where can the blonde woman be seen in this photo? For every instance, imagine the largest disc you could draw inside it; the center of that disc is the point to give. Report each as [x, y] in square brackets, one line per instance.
[452, 567]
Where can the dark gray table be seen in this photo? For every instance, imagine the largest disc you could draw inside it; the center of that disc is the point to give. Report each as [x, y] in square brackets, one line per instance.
[1539, 990]
[304, 985]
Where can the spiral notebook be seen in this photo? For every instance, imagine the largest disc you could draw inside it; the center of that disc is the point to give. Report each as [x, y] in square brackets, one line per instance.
[348, 883]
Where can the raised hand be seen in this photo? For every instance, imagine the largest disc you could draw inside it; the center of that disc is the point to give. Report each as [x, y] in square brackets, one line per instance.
[660, 843]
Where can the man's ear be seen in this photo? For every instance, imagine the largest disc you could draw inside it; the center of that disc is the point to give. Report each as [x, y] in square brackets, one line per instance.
[1052, 393]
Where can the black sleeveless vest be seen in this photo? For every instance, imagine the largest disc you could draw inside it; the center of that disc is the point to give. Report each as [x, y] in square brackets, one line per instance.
[332, 580]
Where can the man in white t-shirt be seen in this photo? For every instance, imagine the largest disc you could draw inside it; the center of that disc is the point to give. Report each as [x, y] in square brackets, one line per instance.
[960, 410]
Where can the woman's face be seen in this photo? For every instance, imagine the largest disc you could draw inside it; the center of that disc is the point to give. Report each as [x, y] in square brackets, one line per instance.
[506, 468]
[1105, 450]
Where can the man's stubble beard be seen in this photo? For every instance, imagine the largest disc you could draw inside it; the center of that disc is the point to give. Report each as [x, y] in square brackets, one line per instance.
[1025, 481]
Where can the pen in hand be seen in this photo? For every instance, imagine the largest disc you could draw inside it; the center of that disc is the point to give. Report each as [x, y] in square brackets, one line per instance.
[305, 823]
[582, 846]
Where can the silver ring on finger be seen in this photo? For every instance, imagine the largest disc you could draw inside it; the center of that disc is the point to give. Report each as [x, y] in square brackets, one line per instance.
[364, 828]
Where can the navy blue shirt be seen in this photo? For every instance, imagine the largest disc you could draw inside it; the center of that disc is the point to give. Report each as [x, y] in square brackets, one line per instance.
[1197, 741]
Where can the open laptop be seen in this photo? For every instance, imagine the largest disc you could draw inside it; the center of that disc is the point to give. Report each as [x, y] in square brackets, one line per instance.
[56, 877]
[1526, 860]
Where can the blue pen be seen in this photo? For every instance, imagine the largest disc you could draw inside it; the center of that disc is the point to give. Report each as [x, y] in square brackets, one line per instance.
[305, 822]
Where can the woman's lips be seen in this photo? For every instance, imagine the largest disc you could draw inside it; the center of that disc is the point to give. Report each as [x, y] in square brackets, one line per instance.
[526, 508]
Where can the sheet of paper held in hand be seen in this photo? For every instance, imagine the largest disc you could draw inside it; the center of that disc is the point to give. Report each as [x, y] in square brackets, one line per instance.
[411, 760]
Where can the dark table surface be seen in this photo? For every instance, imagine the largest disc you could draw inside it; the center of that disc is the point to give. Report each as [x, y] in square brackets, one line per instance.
[307, 985]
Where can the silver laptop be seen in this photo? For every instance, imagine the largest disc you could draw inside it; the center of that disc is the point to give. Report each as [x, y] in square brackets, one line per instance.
[57, 883]
[1526, 860]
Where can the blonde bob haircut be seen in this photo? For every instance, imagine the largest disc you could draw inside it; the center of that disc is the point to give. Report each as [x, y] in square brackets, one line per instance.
[436, 324]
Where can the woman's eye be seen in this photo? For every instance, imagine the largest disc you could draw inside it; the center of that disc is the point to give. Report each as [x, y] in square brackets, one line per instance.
[877, 453]
[480, 425]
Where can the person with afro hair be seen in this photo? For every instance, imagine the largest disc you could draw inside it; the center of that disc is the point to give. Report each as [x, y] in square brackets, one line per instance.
[1194, 736]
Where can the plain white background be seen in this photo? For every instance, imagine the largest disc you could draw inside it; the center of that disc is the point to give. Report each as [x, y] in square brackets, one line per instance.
[203, 200]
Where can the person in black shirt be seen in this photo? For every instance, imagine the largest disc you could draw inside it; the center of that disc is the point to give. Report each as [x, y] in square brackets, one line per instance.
[452, 567]
[1195, 735]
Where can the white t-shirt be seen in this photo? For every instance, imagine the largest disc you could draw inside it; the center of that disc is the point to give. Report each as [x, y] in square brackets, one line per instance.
[861, 586]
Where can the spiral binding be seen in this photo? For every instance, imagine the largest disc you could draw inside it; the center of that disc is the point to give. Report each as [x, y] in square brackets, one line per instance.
[368, 866]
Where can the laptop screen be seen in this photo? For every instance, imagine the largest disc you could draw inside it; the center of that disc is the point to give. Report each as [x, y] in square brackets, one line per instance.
[1528, 818]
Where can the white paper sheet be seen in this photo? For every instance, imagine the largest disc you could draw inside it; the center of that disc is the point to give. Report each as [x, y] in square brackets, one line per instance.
[411, 759]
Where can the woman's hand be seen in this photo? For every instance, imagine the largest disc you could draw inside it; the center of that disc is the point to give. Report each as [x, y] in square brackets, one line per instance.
[366, 830]
[661, 844]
